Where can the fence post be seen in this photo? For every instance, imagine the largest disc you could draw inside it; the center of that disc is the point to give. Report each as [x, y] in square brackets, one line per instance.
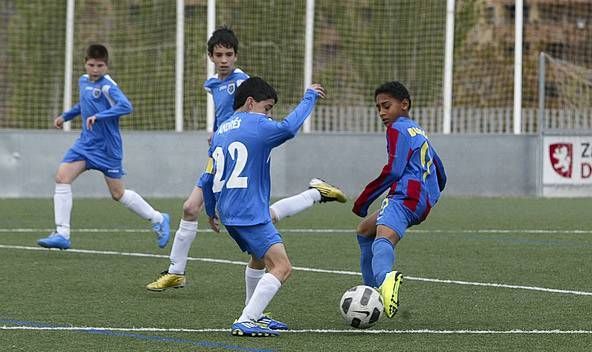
[210, 65]
[179, 65]
[308, 46]
[67, 101]
[519, 5]
[541, 91]
[448, 67]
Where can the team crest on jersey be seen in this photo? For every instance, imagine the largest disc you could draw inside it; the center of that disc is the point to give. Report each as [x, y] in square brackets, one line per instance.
[561, 155]
[96, 92]
[231, 88]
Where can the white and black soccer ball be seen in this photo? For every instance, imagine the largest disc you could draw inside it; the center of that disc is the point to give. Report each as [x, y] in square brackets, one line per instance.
[361, 306]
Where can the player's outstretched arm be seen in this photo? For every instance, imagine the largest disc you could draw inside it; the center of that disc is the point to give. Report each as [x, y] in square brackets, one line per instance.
[121, 107]
[90, 122]
[58, 122]
[277, 133]
[317, 87]
[398, 146]
[440, 173]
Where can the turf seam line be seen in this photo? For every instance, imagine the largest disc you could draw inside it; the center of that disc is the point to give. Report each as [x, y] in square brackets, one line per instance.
[297, 268]
[297, 331]
[289, 230]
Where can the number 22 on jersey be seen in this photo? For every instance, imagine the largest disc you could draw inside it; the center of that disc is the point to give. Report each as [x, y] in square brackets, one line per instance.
[239, 154]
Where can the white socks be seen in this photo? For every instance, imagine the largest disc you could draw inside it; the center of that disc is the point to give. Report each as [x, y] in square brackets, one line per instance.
[62, 207]
[295, 204]
[138, 205]
[252, 277]
[181, 245]
[267, 287]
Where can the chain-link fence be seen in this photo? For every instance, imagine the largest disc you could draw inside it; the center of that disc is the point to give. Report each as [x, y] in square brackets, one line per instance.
[357, 44]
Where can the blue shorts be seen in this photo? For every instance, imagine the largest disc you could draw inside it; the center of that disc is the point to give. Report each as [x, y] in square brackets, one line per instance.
[112, 168]
[397, 217]
[256, 239]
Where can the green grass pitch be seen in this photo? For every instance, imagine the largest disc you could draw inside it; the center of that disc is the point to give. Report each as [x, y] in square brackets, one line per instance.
[495, 274]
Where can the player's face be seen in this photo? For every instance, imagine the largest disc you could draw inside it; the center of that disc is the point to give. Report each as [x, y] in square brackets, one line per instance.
[95, 69]
[390, 108]
[261, 107]
[224, 59]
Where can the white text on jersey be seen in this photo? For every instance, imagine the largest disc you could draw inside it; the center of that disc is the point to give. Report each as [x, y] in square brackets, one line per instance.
[229, 125]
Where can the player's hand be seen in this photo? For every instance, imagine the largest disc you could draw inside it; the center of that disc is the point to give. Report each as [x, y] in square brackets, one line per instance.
[58, 122]
[214, 224]
[318, 88]
[210, 135]
[90, 122]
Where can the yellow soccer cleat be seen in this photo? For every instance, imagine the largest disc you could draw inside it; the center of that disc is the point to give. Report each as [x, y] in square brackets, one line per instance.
[328, 192]
[165, 281]
[389, 290]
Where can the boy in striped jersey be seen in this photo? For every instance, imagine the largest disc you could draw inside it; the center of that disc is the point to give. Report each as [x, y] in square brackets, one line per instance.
[414, 176]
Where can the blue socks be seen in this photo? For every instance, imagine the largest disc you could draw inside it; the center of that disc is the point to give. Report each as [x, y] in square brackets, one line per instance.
[366, 260]
[383, 259]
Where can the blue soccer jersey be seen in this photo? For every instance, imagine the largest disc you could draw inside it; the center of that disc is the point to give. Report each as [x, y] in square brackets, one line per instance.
[238, 182]
[414, 172]
[223, 93]
[106, 101]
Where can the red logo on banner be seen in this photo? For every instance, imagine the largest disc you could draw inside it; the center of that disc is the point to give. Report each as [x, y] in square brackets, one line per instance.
[561, 155]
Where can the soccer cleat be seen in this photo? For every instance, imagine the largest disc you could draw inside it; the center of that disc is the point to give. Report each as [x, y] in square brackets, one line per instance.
[389, 290]
[328, 192]
[162, 230]
[268, 322]
[54, 240]
[251, 329]
[165, 281]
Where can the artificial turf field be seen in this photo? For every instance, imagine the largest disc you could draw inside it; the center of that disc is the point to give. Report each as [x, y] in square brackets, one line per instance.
[481, 274]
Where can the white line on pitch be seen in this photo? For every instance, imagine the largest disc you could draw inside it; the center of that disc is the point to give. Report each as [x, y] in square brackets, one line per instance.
[458, 231]
[340, 272]
[319, 331]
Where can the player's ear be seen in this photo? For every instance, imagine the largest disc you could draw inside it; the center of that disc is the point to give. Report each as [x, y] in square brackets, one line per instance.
[405, 104]
[249, 103]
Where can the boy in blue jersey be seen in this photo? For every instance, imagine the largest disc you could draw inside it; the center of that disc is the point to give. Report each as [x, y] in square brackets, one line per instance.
[237, 185]
[223, 51]
[414, 176]
[99, 147]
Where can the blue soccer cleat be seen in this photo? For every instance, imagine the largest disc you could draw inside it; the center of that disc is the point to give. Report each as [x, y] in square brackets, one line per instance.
[54, 240]
[162, 230]
[251, 329]
[270, 323]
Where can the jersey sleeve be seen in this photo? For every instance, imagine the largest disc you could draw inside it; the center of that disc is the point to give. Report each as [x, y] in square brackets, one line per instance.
[277, 132]
[399, 150]
[120, 105]
[72, 113]
[207, 180]
[440, 172]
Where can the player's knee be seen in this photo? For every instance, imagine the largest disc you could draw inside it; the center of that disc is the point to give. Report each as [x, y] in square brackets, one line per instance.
[59, 178]
[191, 210]
[284, 271]
[364, 229]
[274, 217]
[117, 194]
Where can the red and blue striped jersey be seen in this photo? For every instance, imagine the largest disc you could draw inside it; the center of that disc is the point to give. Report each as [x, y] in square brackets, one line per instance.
[414, 173]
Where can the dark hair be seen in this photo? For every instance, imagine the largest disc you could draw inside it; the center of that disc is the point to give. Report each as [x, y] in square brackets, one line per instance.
[225, 37]
[395, 89]
[256, 88]
[97, 52]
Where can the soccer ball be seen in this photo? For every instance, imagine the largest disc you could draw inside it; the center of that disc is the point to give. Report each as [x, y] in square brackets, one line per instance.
[361, 306]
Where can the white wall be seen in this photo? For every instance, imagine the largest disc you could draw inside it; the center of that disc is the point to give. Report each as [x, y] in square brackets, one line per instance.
[167, 164]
